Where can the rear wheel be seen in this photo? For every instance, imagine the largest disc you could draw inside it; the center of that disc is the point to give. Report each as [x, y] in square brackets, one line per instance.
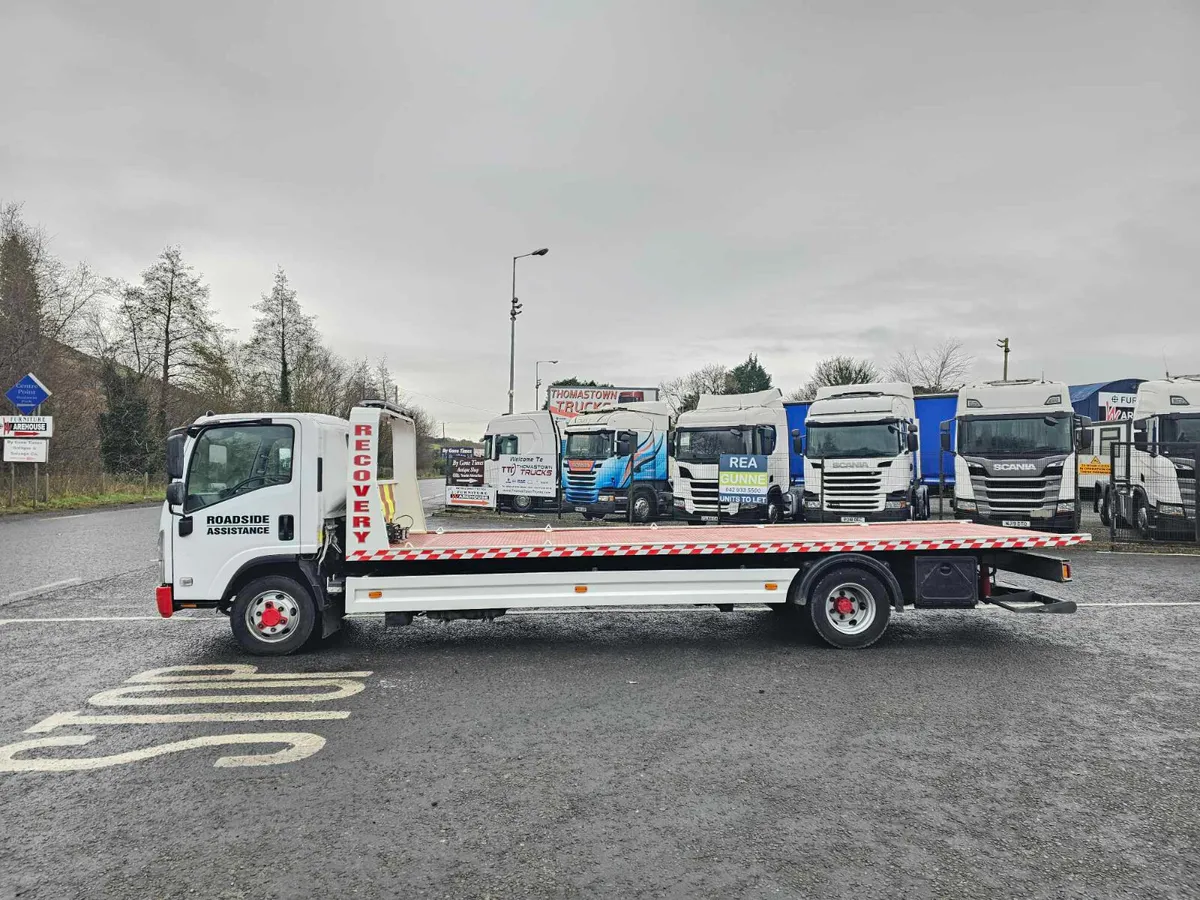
[1104, 502]
[273, 616]
[849, 607]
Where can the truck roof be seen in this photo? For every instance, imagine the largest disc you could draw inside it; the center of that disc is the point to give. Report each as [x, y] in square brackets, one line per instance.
[715, 410]
[1001, 397]
[317, 418]
[657, 411]
[884, 399]
[1180, 394]
[875, 388]
[771, 397]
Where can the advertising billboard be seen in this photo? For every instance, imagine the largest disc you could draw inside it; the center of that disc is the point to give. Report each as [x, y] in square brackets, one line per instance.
[567, 402]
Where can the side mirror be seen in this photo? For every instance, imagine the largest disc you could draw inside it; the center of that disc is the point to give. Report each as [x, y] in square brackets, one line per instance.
[624, 448]
[1140, 441]
[1084, 443]
[946, 442]
[175, 444]
[176, 493]
[914, 443]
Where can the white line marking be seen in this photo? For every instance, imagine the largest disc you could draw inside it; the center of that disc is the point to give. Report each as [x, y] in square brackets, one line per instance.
[121, 696]
[113, 619]
[228, 672]
[43, 589]
[299, 745]
[62, 518]
[1101, 605]
[64, 719]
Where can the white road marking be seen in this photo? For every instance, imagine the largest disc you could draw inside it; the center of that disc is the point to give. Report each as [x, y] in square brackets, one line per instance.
[228, 672]
[42, 589]
[121, 696]
[300, 745]
[62, 518]
[1097, 605]
[112, 619]
[78, 717]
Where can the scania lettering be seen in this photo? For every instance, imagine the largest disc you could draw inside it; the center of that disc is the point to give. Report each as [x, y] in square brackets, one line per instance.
[861, 455]
[730, 424]
[1016, 456]
[347, 536]
[617, 456]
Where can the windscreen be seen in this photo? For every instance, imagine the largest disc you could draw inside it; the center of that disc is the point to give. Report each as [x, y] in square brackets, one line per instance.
[852, 440]
[705, 445]
[589, 445]
[1181, 429]
[1015, 435]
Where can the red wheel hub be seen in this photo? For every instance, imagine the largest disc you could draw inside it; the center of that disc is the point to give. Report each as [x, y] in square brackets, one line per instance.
[843, 606]
[272, 617]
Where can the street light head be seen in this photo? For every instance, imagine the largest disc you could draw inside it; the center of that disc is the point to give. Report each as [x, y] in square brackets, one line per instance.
[553, 362]
[541, 252]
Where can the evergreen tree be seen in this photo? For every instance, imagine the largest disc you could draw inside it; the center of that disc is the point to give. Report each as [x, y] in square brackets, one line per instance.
[283, 337]
[749, 377]
[125, 439]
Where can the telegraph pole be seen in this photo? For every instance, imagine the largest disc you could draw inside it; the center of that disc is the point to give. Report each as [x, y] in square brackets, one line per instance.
[1003, 345]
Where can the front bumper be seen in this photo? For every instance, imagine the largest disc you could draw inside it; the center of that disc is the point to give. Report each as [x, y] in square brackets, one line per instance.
[1060, 522]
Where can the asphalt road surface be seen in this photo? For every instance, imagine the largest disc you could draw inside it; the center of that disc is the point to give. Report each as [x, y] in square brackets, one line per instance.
[688, 753]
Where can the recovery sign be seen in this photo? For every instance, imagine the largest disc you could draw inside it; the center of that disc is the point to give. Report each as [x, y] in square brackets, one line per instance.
[26, 426]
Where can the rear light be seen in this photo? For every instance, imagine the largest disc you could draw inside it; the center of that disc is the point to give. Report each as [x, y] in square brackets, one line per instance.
[164, 597]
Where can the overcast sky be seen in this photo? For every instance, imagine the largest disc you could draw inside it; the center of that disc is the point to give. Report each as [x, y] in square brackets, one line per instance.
[712, 179]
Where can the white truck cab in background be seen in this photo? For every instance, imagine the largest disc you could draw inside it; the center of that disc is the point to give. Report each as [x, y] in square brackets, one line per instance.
[519, 434]
[1016, 460]
[735, 424]
[861, 455]
[1153, 487]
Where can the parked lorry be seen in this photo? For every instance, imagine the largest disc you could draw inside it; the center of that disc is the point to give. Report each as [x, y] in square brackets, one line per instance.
[616, 457]
[283, 522]
[1016, 449]
[861, 455]
[519, 434]
[730, 424]
[1153, 483]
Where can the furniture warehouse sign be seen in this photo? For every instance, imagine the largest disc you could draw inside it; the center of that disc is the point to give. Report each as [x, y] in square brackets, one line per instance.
[531, 476]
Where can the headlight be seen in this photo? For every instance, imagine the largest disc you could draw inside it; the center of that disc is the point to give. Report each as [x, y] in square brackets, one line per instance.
[896, 504]
[1066, 507]
[1170, 509]
[965, 504]
[680, 501]
[606, 498]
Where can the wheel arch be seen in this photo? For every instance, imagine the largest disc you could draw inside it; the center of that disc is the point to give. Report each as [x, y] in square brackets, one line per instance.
[291, 566]
[803, 582]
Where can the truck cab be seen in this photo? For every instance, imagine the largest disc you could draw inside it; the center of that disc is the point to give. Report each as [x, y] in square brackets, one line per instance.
[1154, 486]
[861, 455]
[1015, 449]
[730, 424]
[617, 456]
[525, 434]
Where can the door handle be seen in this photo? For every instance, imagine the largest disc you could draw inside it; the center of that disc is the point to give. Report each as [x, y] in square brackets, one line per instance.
[287, 528]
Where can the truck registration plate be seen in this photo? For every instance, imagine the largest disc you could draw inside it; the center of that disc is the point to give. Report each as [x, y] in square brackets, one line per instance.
[853, 520]
[581, 509]
[1015, 523]
[709, 519]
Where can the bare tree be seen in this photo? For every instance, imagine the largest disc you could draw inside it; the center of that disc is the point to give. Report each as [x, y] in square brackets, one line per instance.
[170, 314]
[836, 370]
[283, 336]
[943, 368]
[683, 393]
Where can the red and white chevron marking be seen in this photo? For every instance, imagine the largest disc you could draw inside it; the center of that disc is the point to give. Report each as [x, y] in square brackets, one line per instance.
[558, 548]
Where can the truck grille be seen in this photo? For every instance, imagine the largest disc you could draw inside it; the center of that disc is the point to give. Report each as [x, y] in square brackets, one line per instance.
[580, 488]
[1015, 496]
[856, 491]
[704, 496]
[1187, 492]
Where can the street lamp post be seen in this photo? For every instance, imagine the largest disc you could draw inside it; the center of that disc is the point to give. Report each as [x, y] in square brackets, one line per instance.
[513, 312]
[537, 378]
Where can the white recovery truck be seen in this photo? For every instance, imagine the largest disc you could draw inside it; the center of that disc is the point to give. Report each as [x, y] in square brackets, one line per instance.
[283, 522]
[734, 424]
[1016, 457]
[1152, 485]
[861, 459]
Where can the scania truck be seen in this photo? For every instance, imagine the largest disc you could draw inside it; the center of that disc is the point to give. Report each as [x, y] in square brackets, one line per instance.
[730, 424]
[1153, 482]
[617, 458]
[861, 455]
[1015, 446]
[285, 523]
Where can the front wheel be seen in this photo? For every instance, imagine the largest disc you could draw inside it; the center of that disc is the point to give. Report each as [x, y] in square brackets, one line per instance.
[849, 607]
[644, 506]
[522, 504]
[273, 616]
[1105, 508]
[1141, 519]
[774, 511]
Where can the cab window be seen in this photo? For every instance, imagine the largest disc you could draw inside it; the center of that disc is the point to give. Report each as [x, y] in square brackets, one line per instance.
[1109, 437]
[231, 460]
[507, 445]
[765, 439]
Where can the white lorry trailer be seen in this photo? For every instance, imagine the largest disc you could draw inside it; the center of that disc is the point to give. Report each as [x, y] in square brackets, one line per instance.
[861, 456]
[1016, 457]
[519, 434]
[283, 522]
[1152, 485]
[730, 424]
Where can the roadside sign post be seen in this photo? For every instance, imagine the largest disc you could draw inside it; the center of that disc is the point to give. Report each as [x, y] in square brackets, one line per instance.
[26, 437]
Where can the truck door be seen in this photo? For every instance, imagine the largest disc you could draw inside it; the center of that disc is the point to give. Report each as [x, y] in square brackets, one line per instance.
[242, 503]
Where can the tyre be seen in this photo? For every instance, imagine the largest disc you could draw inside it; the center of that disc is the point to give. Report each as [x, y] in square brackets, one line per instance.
[645, 507]
[273, 616]
[587, 517]
[849, 607]
[1141, 518]
[1105, 509]
[774, 510]
[520, 503]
